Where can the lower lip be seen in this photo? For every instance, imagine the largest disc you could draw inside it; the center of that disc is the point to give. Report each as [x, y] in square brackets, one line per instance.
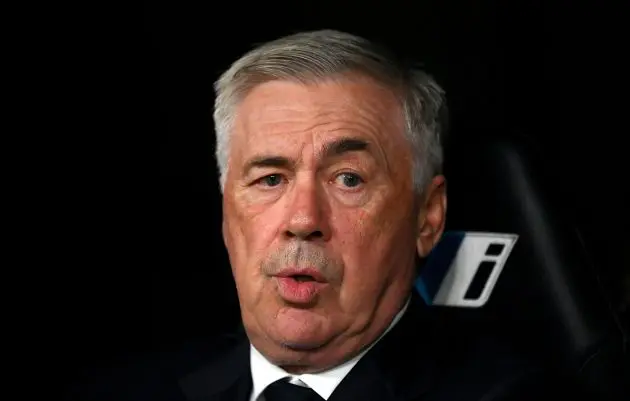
[299, 292]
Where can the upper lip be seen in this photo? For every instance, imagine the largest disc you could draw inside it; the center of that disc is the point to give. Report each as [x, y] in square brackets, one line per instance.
[289, 272]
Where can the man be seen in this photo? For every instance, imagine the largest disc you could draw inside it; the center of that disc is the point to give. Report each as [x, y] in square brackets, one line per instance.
[330, 161]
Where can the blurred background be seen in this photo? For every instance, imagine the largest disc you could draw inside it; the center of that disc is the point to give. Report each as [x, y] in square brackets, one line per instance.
[151, 271]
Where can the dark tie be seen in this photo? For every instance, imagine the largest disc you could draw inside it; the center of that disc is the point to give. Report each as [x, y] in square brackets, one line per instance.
[282, 390]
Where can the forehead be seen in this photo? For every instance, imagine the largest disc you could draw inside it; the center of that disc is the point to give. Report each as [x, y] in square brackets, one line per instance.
[278, 111]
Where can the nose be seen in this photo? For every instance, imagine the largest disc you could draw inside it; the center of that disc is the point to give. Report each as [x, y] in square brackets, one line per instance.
[307, 217]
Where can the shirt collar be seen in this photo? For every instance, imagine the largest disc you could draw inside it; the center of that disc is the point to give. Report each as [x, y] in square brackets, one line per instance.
[323, 383]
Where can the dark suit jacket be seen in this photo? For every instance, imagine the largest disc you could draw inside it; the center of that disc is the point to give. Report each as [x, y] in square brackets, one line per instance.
[422, 358]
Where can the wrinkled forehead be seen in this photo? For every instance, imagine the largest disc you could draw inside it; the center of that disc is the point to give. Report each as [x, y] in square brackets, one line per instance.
[278, 111]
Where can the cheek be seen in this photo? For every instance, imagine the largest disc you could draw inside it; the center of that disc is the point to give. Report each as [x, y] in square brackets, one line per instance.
[245, 262]
[250, 238]
[356, 235]
[361, 228]
[373, 243]
[260, 232]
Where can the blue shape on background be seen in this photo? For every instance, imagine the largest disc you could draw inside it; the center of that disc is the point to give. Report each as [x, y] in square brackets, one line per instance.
[439, 260]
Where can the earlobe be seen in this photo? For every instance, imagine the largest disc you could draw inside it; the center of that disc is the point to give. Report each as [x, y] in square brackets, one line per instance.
[432, 217]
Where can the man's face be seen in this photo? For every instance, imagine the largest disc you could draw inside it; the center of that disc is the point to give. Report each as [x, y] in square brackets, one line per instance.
[320, 218]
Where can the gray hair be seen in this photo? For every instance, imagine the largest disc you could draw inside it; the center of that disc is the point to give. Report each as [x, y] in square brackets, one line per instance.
[311, 57]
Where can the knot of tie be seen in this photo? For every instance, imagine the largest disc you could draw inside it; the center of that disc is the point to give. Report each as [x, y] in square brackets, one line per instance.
[282, 390]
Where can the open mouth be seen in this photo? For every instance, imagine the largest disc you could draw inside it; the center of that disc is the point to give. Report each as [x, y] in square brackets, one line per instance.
[302, 278]
[303, 275]
[300, 286]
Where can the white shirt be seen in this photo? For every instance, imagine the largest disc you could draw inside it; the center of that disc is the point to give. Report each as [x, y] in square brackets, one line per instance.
[323, 383]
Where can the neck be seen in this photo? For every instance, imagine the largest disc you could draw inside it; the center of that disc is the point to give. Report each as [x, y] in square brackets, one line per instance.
[359, 348]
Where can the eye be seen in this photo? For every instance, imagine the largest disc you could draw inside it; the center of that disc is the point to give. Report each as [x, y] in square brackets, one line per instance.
[349, 180]
[272, 180]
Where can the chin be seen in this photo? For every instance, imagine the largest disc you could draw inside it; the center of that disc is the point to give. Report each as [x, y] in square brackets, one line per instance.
[301, 329]
[302, 346]
[302, 341]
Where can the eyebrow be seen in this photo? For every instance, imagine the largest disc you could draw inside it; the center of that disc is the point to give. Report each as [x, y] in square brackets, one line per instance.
[344, 145]
[333, 149]
[267, 161]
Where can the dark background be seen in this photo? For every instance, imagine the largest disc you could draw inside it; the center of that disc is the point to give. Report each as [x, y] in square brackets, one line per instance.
[151, 269]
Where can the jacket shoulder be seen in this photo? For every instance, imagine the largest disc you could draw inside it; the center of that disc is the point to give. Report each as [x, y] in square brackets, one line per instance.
[152, 375]
[489, 368]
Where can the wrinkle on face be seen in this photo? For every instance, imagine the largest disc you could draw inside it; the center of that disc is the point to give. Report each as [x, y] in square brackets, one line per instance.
[367, 232]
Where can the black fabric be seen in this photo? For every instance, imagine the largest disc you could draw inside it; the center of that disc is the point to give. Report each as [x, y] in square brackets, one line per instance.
[425, 357]
[548, 300]
[283, 390]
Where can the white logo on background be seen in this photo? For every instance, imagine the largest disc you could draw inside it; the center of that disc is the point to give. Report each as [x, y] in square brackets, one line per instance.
[475, 269]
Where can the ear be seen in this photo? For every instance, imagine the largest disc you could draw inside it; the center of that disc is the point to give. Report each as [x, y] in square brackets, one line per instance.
[432, 216]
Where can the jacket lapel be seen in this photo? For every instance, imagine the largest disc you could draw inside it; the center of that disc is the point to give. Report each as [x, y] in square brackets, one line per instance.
[402, 365]
[226, 379]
